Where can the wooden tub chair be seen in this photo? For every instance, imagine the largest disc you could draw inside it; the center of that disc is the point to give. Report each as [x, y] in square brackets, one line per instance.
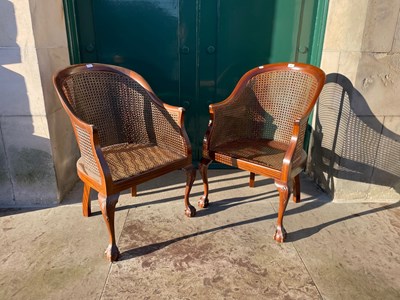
[260, 128]
[126, 135]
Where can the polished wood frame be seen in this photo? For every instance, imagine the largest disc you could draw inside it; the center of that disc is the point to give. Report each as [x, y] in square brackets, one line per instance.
[286, 178]
[109, 190]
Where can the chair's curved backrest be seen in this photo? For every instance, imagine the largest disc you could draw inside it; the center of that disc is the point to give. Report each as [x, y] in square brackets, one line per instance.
[108, 97]
[276, 95]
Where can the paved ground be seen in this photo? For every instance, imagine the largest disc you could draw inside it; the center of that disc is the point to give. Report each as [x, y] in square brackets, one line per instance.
[333, 251]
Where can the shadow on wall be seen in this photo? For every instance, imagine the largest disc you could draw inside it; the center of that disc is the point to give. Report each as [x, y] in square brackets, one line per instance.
[350, 145]
[25, 161]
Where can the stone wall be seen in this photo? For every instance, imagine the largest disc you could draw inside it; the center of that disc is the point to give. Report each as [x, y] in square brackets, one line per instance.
[356, 147]
[32, 45]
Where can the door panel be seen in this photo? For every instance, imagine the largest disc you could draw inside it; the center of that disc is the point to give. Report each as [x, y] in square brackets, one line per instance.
[191, 52]
[141, 35]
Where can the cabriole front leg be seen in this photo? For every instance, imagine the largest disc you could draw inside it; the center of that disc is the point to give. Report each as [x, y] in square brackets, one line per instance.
[203, 167]
[284, 194]
[190, 211]
[107, 206]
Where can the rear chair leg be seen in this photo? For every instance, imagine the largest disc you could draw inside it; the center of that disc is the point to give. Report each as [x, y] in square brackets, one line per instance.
[190, 211]
[252, 177]
[296, 189]
[203, 167]
[284, 194]
[134, 191]
[107, 206]
[86, 209]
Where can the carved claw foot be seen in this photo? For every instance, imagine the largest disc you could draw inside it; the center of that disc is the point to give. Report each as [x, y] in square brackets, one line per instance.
[280, 234]
[203, 202]
[190, 211]
[112, 253]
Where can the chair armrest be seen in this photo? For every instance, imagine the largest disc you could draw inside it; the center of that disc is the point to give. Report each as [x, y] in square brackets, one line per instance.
[295, 147]
[96, 166]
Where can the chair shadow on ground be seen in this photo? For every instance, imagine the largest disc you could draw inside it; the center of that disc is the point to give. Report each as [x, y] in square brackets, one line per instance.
[214, 207]
[292, 236]
[312, 202]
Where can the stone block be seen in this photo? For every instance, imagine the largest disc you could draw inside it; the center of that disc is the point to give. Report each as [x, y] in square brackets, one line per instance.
[45, 12]
[6, 191]
[366, 168]
[50, 61]
[13, 92]
[23, 22]
[350, 150]
[396, 42]
[345, 25]
[357, 159]
[348, 64]
[387, 165]
[21, 91]
[65, 151]
[347, 191]
[330, 61]
[380, 25]
[8, 25]
[30, 160]
[378, 80]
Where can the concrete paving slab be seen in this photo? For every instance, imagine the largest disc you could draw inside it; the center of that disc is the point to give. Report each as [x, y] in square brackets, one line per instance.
[352, 251]
[225, 252]
[333, 250]
[53, 253]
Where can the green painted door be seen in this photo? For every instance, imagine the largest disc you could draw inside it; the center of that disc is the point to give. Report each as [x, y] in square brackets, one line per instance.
[192, 52]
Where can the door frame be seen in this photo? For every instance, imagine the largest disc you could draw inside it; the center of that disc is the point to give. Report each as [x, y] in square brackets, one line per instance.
[319, 32]
[72, 31]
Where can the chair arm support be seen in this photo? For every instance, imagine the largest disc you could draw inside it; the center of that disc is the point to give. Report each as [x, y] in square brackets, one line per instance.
[227, 123]
[88, 141]
[174, 114]
[291, 150]
[178, 114]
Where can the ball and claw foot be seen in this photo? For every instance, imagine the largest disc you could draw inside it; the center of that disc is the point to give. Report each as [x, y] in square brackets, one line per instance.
[203, 202]
[190, 211]
[280, 234]
[112, 253]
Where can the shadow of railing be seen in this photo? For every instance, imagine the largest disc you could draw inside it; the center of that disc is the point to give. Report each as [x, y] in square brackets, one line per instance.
[350, 142]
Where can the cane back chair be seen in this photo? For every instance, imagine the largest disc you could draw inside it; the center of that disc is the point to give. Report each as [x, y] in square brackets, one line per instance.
[126, 135]
[260, 128]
